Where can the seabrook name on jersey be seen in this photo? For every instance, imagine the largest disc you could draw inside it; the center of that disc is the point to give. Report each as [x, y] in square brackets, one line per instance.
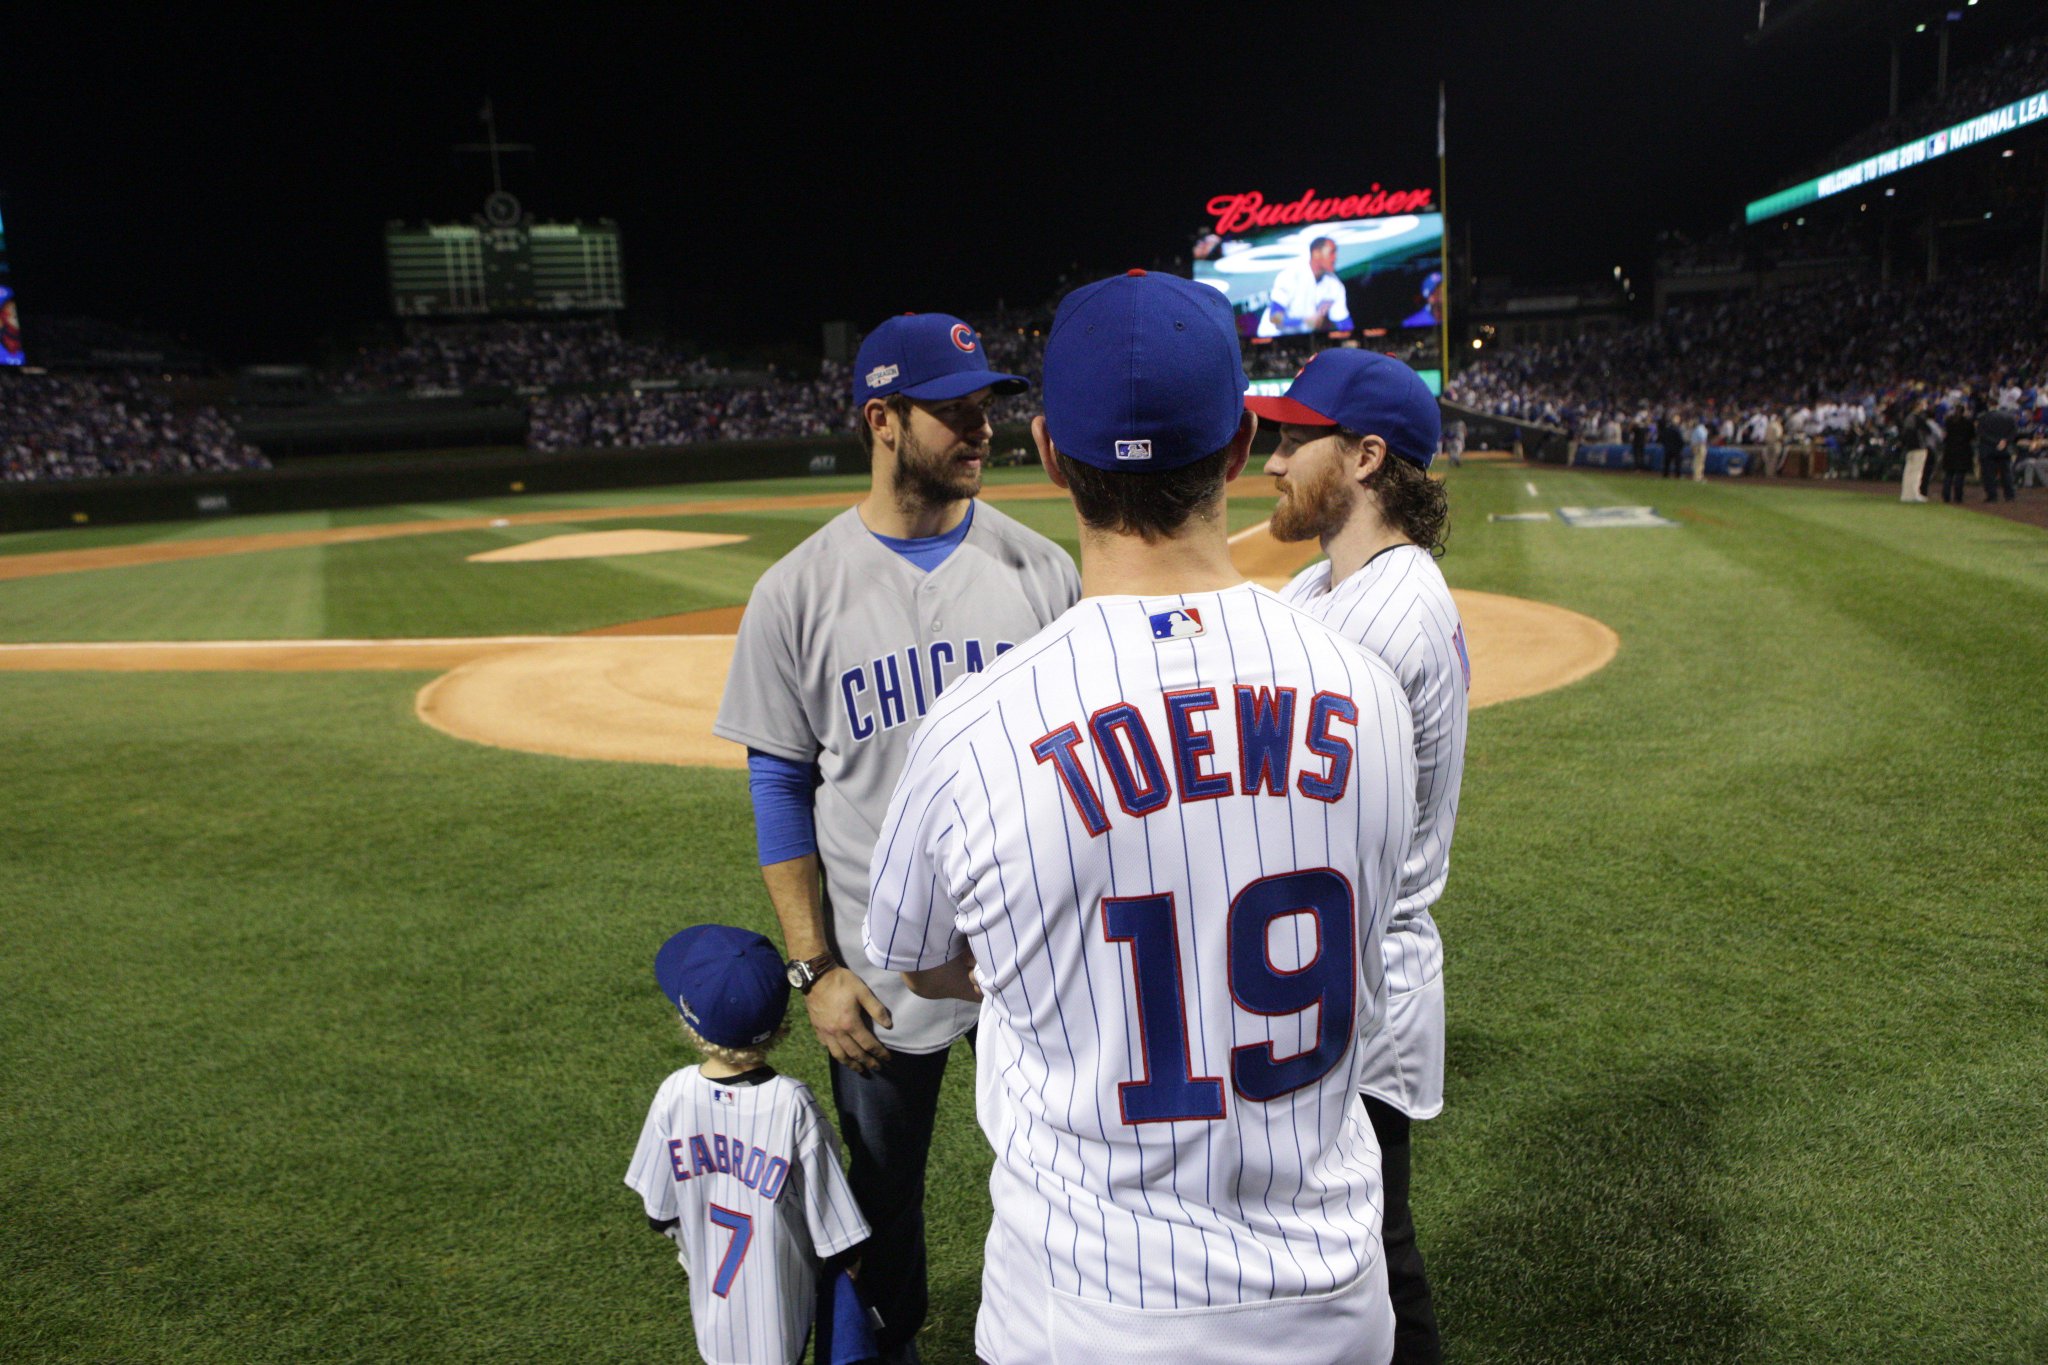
[1263, 724]
[899, 687]
[702, 1154]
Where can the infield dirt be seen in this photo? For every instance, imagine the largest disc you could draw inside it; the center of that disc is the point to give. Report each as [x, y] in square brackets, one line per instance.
[647, 691]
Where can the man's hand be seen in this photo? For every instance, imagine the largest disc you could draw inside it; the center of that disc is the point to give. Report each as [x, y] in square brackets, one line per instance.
[952, 981]
[842, 1007]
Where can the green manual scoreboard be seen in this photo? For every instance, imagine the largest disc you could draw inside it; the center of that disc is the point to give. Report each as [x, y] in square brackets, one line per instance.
[477, 270]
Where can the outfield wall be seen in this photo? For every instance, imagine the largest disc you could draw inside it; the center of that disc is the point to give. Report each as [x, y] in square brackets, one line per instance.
[323, 483]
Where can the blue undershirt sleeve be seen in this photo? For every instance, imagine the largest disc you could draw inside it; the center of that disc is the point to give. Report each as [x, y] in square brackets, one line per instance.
[784, 796]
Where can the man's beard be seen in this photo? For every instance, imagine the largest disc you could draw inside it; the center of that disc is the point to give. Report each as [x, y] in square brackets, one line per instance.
[926, 479]
[1312, 509]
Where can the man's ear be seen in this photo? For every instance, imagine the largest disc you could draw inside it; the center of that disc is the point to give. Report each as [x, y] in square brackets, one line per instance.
[1240, 446]
[1371, 454]
[881, 422]
[1042, 438]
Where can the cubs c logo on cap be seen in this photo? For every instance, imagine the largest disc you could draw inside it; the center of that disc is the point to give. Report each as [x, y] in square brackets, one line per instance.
[963, 336]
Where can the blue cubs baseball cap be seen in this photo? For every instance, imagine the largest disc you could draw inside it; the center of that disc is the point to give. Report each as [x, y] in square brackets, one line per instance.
[728, 983]
[1365, 392]
[1142, 373]
[926, 355]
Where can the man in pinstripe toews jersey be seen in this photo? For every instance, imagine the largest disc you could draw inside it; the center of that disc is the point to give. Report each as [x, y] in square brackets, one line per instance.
[1357, 431]
[1158, 842]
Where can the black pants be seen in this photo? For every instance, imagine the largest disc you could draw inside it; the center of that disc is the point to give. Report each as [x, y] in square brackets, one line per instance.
[886, 1117]
[1953, 482]
[1997, 476]
[1415, 1338]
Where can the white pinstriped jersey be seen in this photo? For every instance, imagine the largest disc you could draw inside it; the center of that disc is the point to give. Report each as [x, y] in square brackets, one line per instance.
[752, 1171]
[1398, 606]
[1170, 830]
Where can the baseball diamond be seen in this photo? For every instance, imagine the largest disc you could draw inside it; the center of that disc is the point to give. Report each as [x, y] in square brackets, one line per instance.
[318, 1026]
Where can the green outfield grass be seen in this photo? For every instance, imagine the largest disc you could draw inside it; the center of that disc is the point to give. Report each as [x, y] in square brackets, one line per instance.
[325, 1036]
[413, 586]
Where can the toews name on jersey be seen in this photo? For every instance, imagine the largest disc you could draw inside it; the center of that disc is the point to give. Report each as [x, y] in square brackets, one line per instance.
[1266, 721]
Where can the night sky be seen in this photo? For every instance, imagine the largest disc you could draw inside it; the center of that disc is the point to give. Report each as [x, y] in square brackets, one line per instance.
[226, 175]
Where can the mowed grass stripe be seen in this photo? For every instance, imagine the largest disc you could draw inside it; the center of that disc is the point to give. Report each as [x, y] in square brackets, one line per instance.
[423, 585]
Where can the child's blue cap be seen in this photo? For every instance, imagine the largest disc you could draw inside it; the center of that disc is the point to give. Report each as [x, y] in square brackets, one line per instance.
[1143, 373]
[1365, 392]
[932, 356]
[728, 983]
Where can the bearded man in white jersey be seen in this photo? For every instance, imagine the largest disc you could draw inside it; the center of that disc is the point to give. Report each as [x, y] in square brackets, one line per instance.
[1157, 842]
[1357, 431]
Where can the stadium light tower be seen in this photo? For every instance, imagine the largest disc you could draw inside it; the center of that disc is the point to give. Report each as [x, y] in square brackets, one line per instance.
[500, 206]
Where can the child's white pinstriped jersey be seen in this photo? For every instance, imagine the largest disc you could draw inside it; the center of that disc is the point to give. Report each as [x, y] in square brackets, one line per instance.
[1171, 831]
[752, 1171]
[1398, 606]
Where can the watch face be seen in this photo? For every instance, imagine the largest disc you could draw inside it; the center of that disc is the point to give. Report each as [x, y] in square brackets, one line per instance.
[798, 975]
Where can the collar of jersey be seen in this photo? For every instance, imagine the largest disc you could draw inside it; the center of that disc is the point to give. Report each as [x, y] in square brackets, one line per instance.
[755, 1077]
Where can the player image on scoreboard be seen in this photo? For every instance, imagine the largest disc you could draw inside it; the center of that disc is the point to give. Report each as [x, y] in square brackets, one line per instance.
[1362, 273]
[10, 330]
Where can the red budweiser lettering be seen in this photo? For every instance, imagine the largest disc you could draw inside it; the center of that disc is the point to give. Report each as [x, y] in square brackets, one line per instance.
[1243, 212]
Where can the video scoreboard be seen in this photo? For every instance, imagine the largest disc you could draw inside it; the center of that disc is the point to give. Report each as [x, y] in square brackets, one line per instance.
[481, 269]
[10, 324]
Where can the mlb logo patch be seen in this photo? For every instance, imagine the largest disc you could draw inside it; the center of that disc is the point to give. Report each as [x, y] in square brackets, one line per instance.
[1134, 450]
[1178, 624]
[719, 1096]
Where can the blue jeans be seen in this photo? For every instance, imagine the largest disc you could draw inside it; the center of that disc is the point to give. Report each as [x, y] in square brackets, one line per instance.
[885, 1118]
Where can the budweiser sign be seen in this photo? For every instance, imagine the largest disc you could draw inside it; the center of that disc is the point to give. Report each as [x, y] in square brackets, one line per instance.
[1243, 212]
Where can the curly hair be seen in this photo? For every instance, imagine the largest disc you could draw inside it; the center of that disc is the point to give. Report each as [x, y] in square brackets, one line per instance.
[745, 1058]
[1409, 499]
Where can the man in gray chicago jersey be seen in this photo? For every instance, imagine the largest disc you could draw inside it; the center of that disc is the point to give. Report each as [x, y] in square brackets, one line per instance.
[846, 641]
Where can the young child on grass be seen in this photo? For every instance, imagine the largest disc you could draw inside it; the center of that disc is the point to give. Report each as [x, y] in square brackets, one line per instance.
[738, 1164]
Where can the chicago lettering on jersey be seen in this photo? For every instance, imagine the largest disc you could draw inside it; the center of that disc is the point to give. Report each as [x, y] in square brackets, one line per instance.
[1279, 742]
[899, 687]
[703, 1154]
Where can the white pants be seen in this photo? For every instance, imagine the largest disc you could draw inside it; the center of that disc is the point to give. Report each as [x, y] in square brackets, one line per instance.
[1909, 485]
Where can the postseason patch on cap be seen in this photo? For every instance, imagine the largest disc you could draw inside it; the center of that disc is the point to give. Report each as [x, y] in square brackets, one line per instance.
[883, 374]
[1178, 624]
[1134, 450]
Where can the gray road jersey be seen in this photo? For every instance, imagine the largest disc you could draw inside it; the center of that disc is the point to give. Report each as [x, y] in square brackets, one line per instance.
[843, 647]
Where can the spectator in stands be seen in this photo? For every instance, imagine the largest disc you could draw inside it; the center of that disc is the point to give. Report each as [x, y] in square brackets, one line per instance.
[95, 426]
[1669, 439]
[1958, 451]
[1997, 431]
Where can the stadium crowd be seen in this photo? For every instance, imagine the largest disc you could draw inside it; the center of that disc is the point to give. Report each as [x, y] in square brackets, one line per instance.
[503, 354]
[2018, 70]
[109, 425]
[647, 416]
[1847, 361]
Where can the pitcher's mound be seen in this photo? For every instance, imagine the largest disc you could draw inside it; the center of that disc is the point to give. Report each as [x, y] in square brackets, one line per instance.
[600, 544]
[1520, 647]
